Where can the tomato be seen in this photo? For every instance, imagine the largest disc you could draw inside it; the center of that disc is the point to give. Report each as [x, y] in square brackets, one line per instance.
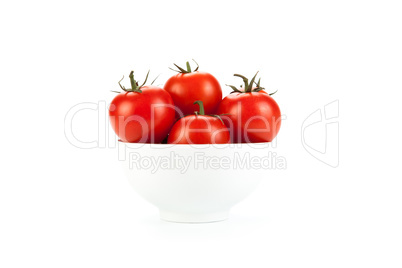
[142, 114]
[187, 87]
[251, 114]
[199, 129]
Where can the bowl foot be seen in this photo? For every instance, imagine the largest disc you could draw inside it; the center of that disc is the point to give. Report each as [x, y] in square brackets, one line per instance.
[193, 217]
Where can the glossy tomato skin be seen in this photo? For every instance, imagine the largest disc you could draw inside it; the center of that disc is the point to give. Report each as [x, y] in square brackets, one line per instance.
[251, 117]
[186, 88]
[199, 129]
[133, 120]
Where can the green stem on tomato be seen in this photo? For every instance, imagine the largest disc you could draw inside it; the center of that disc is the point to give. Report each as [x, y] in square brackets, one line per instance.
[187, 70]
[251, 83]
[248, 86]
[188, 67]
[201, 105]
[132, 81]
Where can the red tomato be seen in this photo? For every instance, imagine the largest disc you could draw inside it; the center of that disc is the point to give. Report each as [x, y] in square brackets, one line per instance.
[251, 114]
[142, 114]
[188, 87]
[199, 129]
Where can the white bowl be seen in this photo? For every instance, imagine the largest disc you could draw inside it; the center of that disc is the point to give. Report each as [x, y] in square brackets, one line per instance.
[193, 183]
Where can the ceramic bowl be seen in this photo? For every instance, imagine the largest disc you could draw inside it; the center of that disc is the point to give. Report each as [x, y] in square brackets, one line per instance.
[193, 183]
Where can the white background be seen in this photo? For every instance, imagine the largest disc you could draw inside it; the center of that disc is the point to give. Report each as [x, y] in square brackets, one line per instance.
[61, 206]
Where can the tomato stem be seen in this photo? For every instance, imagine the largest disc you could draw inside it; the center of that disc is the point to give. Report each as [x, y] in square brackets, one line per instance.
[245, 80]
[248, 86]
[252, 82]
[201, 105]
[132, 81]
[134, 84]
[188, 67]
[185, 71]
